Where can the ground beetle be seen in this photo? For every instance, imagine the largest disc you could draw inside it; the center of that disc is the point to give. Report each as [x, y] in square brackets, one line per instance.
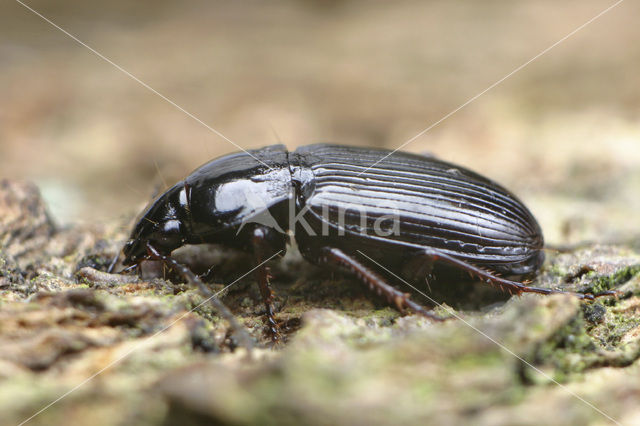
[343, 202]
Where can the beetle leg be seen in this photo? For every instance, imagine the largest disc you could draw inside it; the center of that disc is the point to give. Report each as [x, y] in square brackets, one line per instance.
[113, 262]
[262, 250]
[375, 282]
[513, 287]
[418, 268]
[207, 275]
[244, 339]
[129, 268]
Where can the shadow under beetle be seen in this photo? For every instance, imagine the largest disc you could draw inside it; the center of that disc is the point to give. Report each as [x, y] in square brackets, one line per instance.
[337, 199]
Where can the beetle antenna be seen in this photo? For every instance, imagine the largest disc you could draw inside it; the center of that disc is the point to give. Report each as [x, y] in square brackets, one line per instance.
[240, 332]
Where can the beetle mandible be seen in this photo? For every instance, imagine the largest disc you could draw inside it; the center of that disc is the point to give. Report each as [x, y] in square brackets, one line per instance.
[439, 212]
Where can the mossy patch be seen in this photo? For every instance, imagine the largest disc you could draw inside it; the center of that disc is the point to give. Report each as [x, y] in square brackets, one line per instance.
[601, 283]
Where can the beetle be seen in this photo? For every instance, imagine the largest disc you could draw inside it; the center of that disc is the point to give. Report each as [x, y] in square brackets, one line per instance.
[345, 204]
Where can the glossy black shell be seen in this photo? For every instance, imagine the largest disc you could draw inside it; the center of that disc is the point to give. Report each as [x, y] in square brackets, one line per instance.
[440, 205]
[437, 205]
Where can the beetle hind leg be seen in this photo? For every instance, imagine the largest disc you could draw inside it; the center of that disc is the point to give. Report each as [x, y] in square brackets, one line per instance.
[513, 287]
[394, 296]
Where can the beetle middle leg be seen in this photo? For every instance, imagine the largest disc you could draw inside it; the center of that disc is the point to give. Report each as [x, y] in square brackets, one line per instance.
[262, 249]
[394, 296]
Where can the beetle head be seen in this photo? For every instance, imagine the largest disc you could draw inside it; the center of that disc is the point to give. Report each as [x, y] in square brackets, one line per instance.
[213, 204]
[161, 226]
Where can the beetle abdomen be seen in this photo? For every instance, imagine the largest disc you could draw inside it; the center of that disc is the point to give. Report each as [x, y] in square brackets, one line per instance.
[414, 201]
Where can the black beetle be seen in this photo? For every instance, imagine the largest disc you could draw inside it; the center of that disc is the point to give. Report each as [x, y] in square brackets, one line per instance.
[343, 202]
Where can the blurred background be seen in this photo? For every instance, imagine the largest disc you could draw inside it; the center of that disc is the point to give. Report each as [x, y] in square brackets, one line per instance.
[563, 132]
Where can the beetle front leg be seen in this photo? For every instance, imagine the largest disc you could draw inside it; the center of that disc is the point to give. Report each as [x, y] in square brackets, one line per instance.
[376, 283]
[243, 336]
[262, 250]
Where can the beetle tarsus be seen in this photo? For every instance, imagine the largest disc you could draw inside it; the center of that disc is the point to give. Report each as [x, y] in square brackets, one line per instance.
[113, 262]
[129, 268]
[607, 293]
[267, 297]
